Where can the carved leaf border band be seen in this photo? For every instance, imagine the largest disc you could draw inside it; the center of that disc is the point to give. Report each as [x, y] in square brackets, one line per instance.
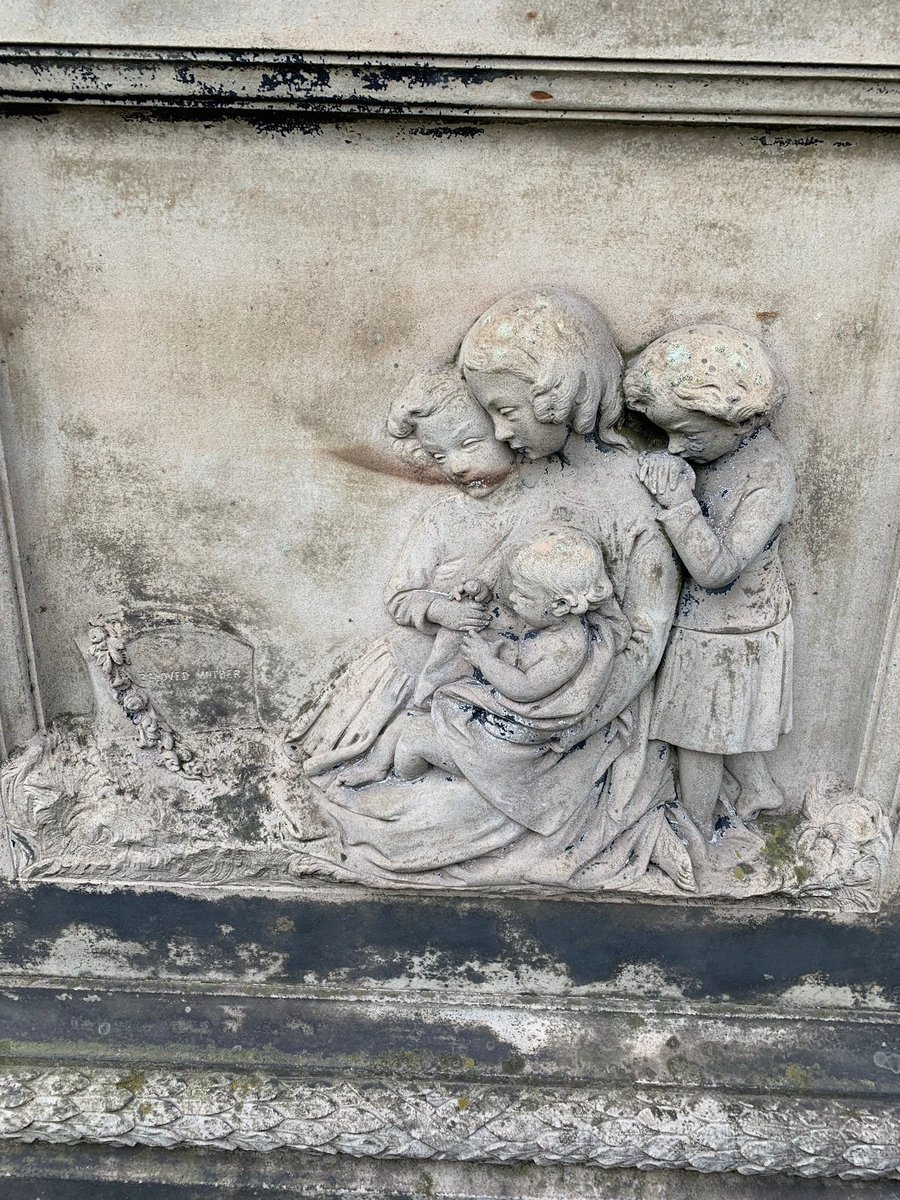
[646, 1128]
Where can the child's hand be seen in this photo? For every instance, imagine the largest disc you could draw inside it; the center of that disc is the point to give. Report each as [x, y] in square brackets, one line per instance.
[474, 589]
[477, 650]
[493, 641]
[462, 615]
[667, 477]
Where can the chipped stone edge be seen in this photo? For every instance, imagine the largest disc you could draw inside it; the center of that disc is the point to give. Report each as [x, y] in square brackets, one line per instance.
[461, 86]
[606, 1127]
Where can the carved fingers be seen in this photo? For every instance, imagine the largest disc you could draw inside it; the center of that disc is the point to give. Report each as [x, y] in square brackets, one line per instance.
[655, 468]
[462, 615]
[474, 589]
[476, 650]
[667, 477]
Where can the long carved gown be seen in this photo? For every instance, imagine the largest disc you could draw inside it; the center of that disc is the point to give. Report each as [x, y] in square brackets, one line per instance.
[607, 781]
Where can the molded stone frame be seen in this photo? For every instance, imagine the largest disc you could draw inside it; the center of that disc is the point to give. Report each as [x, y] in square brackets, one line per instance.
[710, 1037]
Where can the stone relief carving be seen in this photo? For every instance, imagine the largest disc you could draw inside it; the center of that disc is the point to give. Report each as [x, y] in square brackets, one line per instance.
[109, 652]
[122, 797]
[611, 1127]
[589, 658]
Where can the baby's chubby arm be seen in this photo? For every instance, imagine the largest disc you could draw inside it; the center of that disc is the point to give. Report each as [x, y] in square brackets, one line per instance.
[564, 651]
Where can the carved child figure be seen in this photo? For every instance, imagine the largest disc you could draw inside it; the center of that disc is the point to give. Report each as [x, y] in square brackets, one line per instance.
[435, 594]
[723, 692]
[551, 585]
[558, 587]
[439, 419]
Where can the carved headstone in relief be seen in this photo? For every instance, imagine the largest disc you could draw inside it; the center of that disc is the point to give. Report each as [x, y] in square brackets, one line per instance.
[587, 660]
[200, 679]
[174, 780]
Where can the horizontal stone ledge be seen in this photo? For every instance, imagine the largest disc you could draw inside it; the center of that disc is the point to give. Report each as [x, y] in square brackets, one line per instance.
[707, 1049]
[475, 88]
[618, 1127]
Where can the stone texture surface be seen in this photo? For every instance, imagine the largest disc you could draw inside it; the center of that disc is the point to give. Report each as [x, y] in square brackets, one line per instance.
[815, 31]
[103, 1173]
[131, 434]
[554, 630]
[764, 1029]
[353, 250]
[609, 89]
[632, 1128]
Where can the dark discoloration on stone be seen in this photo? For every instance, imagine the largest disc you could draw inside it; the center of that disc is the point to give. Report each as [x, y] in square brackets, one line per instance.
[448, 131]
[584, 1044]
[706, 952]
[381, 462]
[242, 809]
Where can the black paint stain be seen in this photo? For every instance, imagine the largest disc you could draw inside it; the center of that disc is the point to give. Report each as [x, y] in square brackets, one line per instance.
[448, 131]
[381, 938]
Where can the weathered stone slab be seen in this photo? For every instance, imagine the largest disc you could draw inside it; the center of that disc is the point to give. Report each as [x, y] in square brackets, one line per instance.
[487, 746]
[817, 31]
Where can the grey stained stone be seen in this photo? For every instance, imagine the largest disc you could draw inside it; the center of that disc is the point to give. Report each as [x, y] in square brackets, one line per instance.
[587, 663]
[449, 679]
[815, 31]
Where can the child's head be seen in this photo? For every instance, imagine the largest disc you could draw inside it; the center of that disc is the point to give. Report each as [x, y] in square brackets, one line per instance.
[540, 363]
[561, 572]
[439, 416]
[707, 386]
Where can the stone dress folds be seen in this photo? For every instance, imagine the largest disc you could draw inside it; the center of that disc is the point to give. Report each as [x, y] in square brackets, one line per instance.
[725, 683]
[457, 539]
[744, 703]
[608, 782]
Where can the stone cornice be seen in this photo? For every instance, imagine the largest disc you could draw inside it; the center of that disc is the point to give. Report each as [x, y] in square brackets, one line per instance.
[618, 1084]
[458, 87]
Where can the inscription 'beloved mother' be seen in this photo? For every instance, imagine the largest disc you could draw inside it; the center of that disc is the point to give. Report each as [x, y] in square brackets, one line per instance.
[160, 678]
[200, 679]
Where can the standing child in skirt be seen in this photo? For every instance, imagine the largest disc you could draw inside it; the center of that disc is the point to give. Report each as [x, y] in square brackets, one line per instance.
[723, 690]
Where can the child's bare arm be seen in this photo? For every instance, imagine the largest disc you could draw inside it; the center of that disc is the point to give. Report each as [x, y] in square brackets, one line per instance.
[714, 561]
[462, 614]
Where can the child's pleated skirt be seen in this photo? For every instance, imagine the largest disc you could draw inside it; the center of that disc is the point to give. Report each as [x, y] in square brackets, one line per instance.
[725, 693]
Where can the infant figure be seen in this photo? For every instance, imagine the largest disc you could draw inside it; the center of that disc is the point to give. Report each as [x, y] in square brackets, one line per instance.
[557, 587]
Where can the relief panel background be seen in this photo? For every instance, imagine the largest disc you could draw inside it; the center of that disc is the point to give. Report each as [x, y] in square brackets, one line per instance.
[750, 30]
[206, 320]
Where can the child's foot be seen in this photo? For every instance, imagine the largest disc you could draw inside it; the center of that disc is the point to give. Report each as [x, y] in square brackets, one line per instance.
[418, 749]
[759, 799]
[376, 765]
[370, 770]
[672, 858]
[759, 791]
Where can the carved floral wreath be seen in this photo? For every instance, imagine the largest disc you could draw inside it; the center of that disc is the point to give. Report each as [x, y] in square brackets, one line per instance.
[107, 647]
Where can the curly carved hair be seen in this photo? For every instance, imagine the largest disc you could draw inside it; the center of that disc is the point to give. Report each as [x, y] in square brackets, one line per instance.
[559, 343]
[429, 391]
[712, 369]
[562, 561]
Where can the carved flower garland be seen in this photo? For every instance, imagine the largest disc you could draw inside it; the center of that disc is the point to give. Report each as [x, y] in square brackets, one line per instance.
[154, 733]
